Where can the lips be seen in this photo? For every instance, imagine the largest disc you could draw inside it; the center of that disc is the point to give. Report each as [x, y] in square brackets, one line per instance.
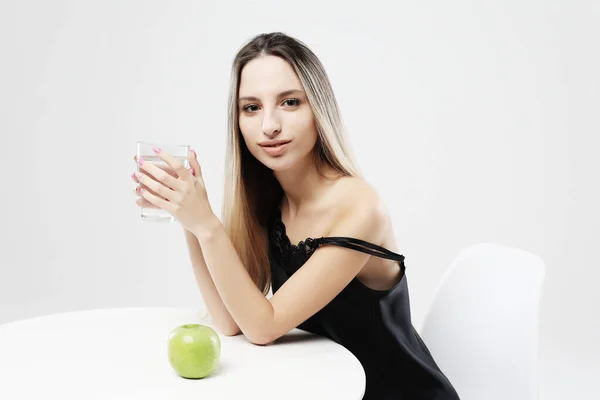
[275, 150]
[276, 144]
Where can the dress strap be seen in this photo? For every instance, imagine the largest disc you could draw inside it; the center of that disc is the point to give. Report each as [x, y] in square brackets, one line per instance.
[356, 244]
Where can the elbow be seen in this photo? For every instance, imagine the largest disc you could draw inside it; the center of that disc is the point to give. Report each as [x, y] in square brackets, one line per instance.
[261, 338]
[231, 332]
[264, 331]
[261, 341]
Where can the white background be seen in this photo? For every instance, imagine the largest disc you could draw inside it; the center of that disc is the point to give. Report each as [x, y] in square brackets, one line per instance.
[475, 121]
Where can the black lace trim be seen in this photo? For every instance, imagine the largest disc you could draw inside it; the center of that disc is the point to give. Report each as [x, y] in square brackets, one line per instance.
[294, 255]
[291, 254]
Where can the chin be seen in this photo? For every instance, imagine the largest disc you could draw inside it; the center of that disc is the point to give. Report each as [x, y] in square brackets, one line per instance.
[286, 163]
[279, 166]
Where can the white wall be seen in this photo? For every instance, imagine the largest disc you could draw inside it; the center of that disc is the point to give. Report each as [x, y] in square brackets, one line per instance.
[476, 122]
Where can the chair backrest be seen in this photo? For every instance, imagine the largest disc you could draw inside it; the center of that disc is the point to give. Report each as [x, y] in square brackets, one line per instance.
[482, 326]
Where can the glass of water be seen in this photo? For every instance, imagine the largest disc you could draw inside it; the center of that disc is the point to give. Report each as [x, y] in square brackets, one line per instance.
[149, 211]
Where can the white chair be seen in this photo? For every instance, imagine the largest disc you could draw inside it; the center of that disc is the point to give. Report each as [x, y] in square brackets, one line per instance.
[482, 326]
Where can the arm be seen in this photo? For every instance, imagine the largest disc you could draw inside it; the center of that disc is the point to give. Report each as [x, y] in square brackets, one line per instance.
[325, 275]
[221, 317]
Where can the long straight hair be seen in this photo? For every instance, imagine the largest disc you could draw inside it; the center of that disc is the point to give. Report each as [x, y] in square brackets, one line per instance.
[251, 189]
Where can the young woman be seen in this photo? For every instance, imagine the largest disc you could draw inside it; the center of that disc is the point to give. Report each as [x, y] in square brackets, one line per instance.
[297, 217]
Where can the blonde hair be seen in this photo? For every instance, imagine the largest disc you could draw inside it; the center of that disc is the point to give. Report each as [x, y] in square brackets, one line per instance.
[251, 190]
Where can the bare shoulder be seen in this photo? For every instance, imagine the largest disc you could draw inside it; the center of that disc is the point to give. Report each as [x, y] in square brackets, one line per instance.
[356, 199]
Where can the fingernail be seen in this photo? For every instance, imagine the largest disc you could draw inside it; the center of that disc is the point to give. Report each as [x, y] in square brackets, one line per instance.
[141, 161]
[156, 150]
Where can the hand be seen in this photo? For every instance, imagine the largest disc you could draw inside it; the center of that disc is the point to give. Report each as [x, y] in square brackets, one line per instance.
[180, 192]
[141, 202]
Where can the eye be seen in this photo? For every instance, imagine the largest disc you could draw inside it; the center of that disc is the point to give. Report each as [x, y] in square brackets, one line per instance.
[250, 108]
[247, 108]
[295, 102]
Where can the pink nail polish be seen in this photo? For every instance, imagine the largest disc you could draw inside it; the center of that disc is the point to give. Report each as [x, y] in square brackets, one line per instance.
[141, 161]
[156, 150]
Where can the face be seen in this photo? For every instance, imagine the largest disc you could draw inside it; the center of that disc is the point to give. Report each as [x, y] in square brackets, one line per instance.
[273, 107]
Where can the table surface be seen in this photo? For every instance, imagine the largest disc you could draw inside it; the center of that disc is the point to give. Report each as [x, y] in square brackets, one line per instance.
[121, 353]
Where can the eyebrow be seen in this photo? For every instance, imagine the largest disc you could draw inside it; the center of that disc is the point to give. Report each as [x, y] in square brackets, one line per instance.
[282, 94]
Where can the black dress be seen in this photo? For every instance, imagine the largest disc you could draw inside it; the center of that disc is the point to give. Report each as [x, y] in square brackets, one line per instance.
[374, 325]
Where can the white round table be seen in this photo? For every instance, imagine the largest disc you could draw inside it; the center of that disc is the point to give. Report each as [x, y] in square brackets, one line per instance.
[122, 354]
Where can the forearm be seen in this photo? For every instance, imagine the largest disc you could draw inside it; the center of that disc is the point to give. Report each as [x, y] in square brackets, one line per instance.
[245, 302]
[217, 310]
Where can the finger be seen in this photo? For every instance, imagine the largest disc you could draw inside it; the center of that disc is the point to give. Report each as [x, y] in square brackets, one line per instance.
[161, 166]
[160, 175]
[135, 178]
[174, 163]
[157, 201]
[193, 159]
[143, 186]
[142, 202]
[158, 188]
[165, 168]
[138, 192]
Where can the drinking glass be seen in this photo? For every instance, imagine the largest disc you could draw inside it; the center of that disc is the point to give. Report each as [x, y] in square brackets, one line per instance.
[150, 212]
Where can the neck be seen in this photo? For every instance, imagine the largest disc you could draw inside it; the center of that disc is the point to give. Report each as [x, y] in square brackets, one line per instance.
[303, 187]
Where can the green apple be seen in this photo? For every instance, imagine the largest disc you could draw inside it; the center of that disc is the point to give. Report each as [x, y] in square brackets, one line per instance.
[194, 350]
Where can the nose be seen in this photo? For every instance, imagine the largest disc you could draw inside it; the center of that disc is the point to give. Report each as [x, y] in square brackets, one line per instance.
[271, 123]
